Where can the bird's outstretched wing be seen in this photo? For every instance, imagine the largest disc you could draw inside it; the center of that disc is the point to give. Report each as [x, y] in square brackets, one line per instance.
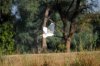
[52, 27]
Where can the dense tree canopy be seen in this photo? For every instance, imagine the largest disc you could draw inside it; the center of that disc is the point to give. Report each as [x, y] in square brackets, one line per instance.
[21, 23]
[6, 28]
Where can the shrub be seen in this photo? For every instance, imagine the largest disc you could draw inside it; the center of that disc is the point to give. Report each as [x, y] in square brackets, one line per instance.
[6, 38]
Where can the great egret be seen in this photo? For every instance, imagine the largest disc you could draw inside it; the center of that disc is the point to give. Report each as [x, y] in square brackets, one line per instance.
[49, 31]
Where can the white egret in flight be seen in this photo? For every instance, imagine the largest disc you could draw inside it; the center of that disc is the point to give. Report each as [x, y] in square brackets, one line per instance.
[49, 31]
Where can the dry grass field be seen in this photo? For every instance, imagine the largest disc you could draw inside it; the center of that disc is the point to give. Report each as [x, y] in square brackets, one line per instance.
[53, 59]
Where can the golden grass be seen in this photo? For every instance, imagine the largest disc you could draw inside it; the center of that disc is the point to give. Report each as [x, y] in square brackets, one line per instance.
[52, 59]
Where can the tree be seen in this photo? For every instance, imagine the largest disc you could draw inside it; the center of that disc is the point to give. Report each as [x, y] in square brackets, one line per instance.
[46, 16]
[69, 13]
[36, 14]
[28, 28]
[85, 38]
[6, 28]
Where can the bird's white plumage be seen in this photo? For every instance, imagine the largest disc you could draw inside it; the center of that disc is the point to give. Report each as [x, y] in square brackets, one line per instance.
[14, 9]
[45, 29]
[48, 31]
[47, 35]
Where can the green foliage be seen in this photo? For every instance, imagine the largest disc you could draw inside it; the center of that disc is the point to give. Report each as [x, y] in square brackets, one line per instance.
[55, 44]
[26, 33]
[6, 5]
[85, 39]
[6, 38]
[28, 29]
[6, 28]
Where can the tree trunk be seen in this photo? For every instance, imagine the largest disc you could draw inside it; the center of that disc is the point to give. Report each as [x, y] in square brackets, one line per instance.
[68, 43]
[44, 44]
[69, 38]
[66, 29]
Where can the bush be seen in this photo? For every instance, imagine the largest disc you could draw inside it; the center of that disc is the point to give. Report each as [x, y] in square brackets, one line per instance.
[85, 39]
[6, 38]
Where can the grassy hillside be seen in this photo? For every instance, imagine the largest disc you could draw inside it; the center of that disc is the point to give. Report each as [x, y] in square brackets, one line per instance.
[52, 59]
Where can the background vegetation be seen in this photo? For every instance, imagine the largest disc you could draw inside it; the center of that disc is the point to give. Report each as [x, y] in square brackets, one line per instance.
[21, 30]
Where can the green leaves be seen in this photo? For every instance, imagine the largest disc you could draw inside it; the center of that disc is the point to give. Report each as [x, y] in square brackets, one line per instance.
[6, 41]
[85, 38]
[6, 4]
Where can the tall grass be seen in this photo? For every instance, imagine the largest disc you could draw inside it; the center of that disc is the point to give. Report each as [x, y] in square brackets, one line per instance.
[52, 59]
